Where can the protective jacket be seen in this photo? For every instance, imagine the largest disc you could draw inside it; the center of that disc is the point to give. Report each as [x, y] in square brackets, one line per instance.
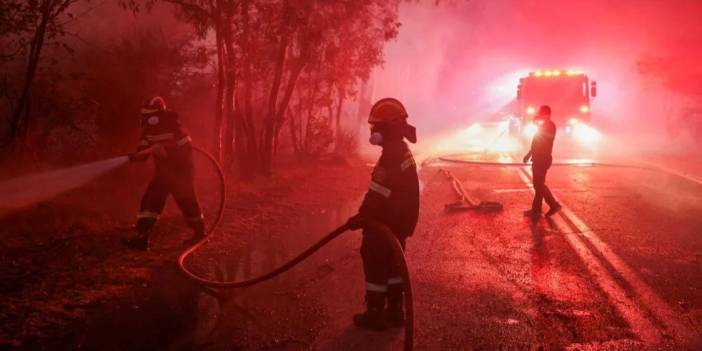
[393, 194]
[162, 127]
[174, 172]
[542, 144]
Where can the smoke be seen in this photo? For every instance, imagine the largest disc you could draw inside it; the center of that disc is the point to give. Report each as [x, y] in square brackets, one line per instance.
[459, 63]
[30, 189]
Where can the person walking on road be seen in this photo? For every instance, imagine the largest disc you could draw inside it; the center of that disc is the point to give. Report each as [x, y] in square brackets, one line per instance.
[392, 200]
[540, 155]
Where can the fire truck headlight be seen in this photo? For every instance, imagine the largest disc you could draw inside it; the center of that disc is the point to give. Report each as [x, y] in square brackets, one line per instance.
[584, 109]
[530, 130]
[530, 110]
[585, 134]
[573, 121]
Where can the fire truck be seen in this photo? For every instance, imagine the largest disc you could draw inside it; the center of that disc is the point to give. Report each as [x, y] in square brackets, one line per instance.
[567, 92]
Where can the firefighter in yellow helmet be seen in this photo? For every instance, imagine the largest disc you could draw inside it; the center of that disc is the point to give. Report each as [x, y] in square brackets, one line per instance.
[165, 139]
[393, 200]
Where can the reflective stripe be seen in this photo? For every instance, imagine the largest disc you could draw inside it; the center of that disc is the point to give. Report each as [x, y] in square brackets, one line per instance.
[144, 143]
[407, 163]
[395, 280]
[160, 137]
[184, 141]
[147, 214]
[376, 287]
[380, 189]
[148, 110]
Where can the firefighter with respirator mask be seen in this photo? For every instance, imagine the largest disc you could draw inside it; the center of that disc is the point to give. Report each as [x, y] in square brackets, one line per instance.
[392, 200]
[165, 139]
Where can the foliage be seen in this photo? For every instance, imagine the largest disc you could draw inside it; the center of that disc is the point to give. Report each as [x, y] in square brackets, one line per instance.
[276, 62]
[270, 53]
[26, 29]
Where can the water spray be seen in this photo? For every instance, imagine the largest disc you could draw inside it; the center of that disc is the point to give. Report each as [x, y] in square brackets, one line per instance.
[30, 189]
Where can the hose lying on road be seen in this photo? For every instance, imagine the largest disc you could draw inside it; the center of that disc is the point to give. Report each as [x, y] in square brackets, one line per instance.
[386, 234]
[466, 202]
[652, 168]
[518, 164]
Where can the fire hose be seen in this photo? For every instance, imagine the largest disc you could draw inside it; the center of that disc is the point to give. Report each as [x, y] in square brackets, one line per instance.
[379, 228]
[651, 168]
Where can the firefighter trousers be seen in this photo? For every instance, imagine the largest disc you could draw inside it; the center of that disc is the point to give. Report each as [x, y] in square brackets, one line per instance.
[380, 268]
[175, 177]
[541, 190]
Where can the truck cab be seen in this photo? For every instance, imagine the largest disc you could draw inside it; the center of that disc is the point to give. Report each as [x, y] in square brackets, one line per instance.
[567, 92]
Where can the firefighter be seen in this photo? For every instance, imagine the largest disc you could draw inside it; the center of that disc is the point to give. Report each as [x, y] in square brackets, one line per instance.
[393, 200]
[167, 141]
[540, 155]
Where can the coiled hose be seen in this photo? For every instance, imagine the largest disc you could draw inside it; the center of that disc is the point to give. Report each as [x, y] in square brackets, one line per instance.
[386, 234]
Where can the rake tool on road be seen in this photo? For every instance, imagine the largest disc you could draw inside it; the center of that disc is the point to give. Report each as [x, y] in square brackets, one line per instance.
[465, 201]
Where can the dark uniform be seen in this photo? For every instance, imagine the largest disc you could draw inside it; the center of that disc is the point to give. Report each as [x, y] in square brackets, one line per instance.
[393, 200]
[174, 172]
[541, 149]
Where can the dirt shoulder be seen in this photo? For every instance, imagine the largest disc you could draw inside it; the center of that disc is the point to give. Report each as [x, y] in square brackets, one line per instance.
[67, 282]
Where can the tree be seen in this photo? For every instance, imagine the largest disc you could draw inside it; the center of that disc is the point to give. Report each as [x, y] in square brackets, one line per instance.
[353, 46]
[263, 48]
[26, 28]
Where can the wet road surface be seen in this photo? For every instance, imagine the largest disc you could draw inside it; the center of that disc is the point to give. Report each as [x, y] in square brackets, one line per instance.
[619, 268]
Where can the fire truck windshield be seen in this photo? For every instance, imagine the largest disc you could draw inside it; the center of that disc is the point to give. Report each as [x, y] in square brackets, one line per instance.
[567, 96]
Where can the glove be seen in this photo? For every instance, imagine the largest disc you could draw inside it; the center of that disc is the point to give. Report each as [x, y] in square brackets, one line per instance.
[356, 222]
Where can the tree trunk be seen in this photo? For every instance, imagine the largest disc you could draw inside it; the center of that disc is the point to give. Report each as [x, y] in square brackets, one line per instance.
[269, 121]
[239, 131]
[287, 95]
[221, 85]
[364, 106]
[247, 148]
[230, 74]
[337, 117]
[293, 134]
[20, 115]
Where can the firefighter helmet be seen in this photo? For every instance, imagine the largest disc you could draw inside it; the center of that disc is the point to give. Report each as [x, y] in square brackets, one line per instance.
[544, 112]
[155, 104]
[387, 110]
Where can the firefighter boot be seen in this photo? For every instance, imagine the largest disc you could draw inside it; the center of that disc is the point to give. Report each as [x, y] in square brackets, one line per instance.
[199, 232]
[554, 209]
[141, 240]
[373, 318]
[395, 314]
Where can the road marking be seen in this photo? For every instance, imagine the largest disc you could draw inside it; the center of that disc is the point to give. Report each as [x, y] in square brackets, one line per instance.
[691, 177]
[627, 307]
[638, 323]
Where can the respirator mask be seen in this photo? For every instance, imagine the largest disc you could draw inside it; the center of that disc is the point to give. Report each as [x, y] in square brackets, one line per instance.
[381, 133]
[376, 138]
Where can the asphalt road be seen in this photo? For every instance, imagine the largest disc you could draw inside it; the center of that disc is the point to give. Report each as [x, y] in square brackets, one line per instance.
[619, 268]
